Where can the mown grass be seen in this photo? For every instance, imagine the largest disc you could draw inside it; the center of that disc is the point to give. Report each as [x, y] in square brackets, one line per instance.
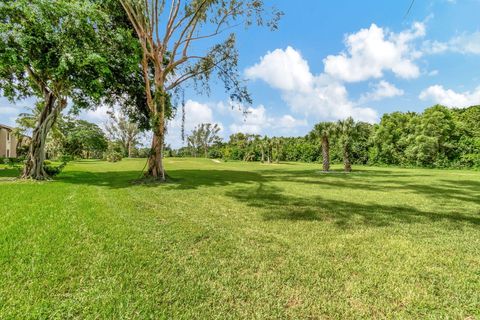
[236, 240]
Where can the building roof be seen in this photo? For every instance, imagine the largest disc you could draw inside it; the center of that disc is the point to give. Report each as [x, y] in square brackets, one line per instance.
[6, 127]
[3, 126]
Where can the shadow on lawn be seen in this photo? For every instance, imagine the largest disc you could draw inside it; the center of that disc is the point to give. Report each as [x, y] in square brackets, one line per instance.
[367, 180]
[178, 179]
[370, 180]
[344, 214]
[255, 190]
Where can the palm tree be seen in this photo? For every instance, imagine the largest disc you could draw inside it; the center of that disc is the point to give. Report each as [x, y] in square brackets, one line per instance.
[324, 130]
[265, 149]
[347, 133]
[277, 143]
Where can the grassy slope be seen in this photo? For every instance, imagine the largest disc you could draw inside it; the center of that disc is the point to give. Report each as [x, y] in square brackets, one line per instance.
[237, 240]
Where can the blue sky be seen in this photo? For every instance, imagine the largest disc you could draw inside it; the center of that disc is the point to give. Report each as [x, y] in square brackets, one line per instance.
[333, 59]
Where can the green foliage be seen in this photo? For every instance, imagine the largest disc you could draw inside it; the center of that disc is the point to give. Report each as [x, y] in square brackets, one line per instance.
[52, 169]
[83, 139]
[438, 137]
[113, 156]
[11, 162]
[120, 128]
[202, 138]
[114, 152]
[57, 43]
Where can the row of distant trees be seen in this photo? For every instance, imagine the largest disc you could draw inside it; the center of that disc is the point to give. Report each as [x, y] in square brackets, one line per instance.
[438, 137]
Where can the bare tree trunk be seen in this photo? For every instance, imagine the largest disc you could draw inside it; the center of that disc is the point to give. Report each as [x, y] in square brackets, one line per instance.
[346, 160]
[36, 156]
[263, 155]
[326, 154]
[155, 161]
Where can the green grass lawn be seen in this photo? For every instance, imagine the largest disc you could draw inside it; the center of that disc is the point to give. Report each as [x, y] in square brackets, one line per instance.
[240, 240]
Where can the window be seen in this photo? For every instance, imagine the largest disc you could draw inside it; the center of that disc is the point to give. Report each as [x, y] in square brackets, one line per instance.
[8, 153]
[8, 135]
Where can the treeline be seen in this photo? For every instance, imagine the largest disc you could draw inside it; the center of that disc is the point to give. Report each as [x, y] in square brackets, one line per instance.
[439, 137]
[72, 138]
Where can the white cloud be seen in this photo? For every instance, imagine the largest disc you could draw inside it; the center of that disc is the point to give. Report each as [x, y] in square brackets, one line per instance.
[450, 98]
[256, 121]
[284, 70]
[381, 90]
[466, 43]
[98, 116]
[195, 113]
[372, 51]
[8, 110]
[319, 96]
[253, 122]
[288, 122]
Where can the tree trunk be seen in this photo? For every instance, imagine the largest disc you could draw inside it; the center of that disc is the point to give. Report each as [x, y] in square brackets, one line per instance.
[263, 156]
[155, 160]
[326, 154]
[346, 160]
[36, 156]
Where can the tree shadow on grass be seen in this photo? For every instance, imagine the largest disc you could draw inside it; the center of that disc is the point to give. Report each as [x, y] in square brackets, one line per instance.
[462, 190]
[278, 206]
[255, 189]
[177, 179]
[368, 180]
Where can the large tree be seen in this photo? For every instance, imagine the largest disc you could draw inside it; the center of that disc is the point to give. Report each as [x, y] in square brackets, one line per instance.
[169, 34]
[47, 50]
[60, 50]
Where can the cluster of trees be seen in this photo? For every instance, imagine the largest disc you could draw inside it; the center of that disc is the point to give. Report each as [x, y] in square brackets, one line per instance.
[132, 53]
[71, 138]
[438, 137]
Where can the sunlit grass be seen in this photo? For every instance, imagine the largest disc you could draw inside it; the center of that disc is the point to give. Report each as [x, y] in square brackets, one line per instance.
[240, 240]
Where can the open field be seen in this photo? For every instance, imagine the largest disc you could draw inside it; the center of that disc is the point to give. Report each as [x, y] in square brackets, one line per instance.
[240, 240]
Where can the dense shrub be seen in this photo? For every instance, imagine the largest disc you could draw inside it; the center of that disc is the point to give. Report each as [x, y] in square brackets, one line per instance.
[113, 156]
[51, 169]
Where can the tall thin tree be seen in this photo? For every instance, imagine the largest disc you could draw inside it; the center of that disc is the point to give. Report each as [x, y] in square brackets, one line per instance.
[347, 133]
[167, 34]
[323, 131]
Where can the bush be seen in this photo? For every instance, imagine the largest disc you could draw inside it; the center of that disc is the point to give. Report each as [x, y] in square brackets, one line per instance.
[113, 156]
[215, 154]
[11, 162]
[51, 169]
